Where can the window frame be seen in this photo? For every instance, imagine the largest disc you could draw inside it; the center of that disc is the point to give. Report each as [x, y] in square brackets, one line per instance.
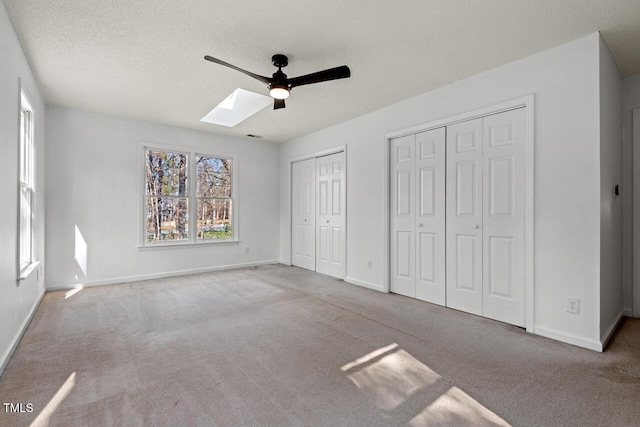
[27, 180]
[192, 198]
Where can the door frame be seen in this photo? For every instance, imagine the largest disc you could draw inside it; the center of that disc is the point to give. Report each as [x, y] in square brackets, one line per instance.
[635, 289]
[524, 101]
[322, 153]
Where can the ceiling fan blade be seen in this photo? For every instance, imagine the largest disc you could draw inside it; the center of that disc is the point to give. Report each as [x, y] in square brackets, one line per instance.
[341, 72]
[278, 103]
[263, 79]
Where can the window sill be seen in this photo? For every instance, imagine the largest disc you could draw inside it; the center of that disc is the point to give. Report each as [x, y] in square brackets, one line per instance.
[162, 246]
[28, 270]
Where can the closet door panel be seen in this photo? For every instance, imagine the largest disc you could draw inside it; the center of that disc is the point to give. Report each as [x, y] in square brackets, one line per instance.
[430, 162]
[331, 215]
[303, 214]
[309, 207]
[403, 206]
[464, 216]
[503, 231]
[297, 217]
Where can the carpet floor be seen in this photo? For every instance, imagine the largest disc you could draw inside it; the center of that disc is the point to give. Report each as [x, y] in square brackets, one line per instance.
[281, 346]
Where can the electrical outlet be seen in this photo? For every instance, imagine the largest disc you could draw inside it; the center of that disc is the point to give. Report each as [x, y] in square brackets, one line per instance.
[573, 305]
[369, 264]
[246, 250]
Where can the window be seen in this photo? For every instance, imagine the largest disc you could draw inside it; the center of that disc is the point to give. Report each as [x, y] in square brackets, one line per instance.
[27, 184]
[180, 186]
[213, 182]
[166, 201]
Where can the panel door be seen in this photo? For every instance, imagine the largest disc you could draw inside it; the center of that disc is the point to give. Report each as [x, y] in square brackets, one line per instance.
[297, 217]
[464, 216]
[331, 215]
[303, 214]
[402, 194]
[503, 218]
[430, 160]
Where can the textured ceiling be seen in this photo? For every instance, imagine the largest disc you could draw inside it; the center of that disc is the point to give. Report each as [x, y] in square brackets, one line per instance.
[143, 59]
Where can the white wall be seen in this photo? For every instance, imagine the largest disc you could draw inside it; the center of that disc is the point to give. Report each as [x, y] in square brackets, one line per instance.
[16, 303]
[93, 171]
[611, 307]
[565, 81]
[630, 101]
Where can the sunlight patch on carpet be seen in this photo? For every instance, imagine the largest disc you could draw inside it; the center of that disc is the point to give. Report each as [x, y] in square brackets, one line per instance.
[43, 418]
[456, 406]
[73, 291]
[390, 378]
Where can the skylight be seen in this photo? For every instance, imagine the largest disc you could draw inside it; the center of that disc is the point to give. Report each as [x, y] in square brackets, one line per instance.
[238, 106]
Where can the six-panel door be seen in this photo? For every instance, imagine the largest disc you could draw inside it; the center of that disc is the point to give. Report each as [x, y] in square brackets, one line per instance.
[464, 216]
[402, 185]
[418, 216]
[331, 215]
[430, 216]
[485, 222]
[303, 216]
[503, 213]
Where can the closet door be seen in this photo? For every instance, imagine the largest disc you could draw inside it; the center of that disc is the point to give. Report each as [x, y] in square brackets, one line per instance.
[503, 224]
[464, 216]
[303, 214]
[297, 217]
[430, 236]
[331, 215]
[402, 216]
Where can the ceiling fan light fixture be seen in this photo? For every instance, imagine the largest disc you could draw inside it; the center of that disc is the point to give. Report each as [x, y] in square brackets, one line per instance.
[280, 85]
[279, 92]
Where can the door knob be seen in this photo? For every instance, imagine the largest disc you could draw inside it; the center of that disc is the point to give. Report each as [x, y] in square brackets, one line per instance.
[476, 226]
[420, 225]
[327, 221]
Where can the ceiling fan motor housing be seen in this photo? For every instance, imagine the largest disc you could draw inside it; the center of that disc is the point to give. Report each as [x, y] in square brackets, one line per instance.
[280, 60]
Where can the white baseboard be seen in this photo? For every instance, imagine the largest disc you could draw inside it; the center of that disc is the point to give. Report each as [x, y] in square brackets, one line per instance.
[19, 333]
[285, 262]
[137, 278]
[627, 312]
[606, 336]
[568, 338]
[364, 284]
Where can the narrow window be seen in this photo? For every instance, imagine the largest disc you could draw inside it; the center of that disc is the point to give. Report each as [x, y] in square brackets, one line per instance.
[213, 181]
[166, 204]
[27, 184]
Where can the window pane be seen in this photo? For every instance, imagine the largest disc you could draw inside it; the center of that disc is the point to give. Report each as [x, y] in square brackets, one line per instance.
[27, 194]
[214, 219]
[23, 142]
[213, 177]
[167, 219]
[25, 227]
[166, 173]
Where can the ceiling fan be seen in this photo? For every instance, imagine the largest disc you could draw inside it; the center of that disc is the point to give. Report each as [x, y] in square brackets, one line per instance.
[280, 85]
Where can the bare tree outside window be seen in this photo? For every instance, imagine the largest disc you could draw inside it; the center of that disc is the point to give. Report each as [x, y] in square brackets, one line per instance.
[166, 196]
[213, 182]
[169, 198]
